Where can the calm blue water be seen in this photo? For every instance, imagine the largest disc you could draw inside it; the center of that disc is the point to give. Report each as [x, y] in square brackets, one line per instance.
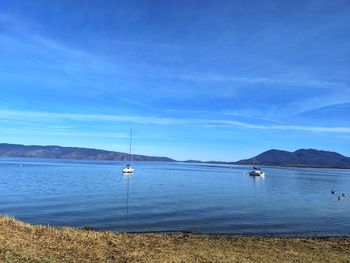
[175, 197]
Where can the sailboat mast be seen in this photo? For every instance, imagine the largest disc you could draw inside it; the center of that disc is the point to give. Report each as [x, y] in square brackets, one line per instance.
[130, 146]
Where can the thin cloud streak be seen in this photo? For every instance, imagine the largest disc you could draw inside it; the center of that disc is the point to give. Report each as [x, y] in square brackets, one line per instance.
[9, 115]
[69, 132]
[263, 80]
[248, 113]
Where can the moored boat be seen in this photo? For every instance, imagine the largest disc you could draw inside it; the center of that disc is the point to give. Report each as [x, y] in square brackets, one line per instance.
[256, 172]
[128, 169]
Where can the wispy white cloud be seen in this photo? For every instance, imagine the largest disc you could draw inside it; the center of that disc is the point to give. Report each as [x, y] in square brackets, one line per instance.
[46, 116]
[251, 113]
[63, 64]
[33, 116]
[279, 81]
[64, 132]
[313, 103]
[80, 72]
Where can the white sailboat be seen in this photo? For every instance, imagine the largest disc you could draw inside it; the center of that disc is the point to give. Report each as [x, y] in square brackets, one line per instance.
[128, 169]
[256, 170]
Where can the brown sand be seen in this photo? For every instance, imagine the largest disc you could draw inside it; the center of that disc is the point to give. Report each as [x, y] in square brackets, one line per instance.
[21, 242]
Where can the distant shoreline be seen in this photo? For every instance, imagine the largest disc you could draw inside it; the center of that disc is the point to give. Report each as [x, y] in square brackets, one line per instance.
[188, 162]
[20, 241]
[302, 158]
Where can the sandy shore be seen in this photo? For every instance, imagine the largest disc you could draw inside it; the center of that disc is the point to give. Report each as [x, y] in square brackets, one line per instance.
[21, 242]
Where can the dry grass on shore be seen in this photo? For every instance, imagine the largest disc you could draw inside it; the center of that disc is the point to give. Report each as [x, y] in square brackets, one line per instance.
[20, 242]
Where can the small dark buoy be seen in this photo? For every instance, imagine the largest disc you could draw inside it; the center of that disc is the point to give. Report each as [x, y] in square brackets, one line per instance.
[333, 192]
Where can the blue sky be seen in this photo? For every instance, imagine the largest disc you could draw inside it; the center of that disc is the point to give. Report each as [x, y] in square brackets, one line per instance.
[208, 80]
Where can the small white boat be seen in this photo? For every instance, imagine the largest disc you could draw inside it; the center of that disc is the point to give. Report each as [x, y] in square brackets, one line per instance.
[128, 169]
[256, 172]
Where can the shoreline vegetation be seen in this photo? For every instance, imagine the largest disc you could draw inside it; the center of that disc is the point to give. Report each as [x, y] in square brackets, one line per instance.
[22, 242]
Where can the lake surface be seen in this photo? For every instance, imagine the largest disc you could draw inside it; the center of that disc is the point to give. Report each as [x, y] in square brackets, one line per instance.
[175, 197]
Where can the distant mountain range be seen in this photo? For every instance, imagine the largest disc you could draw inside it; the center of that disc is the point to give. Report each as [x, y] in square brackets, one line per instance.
[299, 158]
[58, 152]
[302, 157]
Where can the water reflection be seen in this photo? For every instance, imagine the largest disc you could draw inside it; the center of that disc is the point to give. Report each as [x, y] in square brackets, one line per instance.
[258, 182]
[126, 177]
[258, 178]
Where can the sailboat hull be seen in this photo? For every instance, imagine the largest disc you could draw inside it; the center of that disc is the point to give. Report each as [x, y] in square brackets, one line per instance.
[128, 170]
[256, 173]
